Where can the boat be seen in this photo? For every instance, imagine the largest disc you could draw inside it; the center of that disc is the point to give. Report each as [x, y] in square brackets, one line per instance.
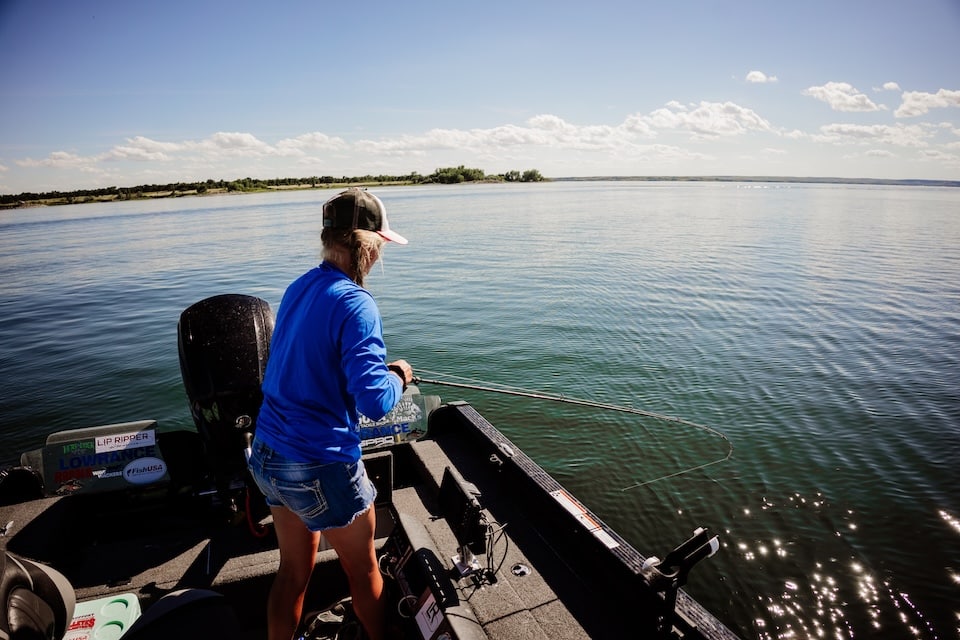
[130, 530]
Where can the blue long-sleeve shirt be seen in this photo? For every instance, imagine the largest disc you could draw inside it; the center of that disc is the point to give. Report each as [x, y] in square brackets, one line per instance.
[327, 362]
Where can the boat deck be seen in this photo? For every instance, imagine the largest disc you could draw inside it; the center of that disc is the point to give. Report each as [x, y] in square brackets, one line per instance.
[560, 573]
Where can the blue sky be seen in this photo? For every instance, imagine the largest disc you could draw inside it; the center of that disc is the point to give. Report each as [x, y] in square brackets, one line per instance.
[96, 93]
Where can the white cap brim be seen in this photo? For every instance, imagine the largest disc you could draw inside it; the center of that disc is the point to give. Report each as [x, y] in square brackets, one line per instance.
[385, 232]
[392, 236]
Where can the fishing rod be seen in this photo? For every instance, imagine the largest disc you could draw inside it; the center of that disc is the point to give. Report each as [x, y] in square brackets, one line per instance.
[536, 395]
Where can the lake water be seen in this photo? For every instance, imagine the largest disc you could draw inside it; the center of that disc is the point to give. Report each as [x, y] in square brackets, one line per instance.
[817, 327]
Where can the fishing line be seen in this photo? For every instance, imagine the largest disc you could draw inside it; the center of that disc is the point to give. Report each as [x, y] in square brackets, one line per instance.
[480, 385]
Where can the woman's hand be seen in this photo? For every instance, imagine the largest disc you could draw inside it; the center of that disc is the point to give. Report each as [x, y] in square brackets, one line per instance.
[403, 369]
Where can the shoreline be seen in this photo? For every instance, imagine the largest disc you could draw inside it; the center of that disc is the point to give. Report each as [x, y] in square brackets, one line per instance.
[185, 193]
[66, 199]
[916, 182]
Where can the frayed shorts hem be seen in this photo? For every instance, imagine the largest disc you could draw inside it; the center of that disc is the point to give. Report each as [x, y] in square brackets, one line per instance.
[324, 496]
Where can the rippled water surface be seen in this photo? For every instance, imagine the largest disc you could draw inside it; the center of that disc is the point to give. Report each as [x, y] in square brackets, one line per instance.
[817, 327]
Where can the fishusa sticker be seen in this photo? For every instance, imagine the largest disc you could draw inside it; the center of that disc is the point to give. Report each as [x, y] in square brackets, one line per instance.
[144, 470]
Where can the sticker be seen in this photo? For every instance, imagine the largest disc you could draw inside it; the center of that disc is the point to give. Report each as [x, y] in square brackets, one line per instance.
[403, 423]
[580, 514]
[406, 411]
[429, 616]
[144, 470]
[130, 440]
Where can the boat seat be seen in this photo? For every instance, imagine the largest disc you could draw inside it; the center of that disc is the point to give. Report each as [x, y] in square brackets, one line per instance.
[38, 603]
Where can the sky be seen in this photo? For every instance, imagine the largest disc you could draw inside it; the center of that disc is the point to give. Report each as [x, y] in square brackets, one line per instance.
[97, 93]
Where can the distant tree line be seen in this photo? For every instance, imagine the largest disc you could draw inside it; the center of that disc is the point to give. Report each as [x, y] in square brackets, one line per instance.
[448, 175]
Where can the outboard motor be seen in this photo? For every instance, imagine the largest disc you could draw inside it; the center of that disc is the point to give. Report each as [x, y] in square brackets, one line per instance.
[224, 342]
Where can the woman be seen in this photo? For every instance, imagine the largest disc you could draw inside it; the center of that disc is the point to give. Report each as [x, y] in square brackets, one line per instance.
[327, 363]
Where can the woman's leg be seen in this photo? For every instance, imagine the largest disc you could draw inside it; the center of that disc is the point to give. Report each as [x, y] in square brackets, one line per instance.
[355, 547]
[298, 555]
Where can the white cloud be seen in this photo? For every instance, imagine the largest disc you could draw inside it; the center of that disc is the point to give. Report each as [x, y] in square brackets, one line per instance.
[639, 125]
[143, 149]
[153, 146]
[941, 156]
[231, 144]
[759, 77]
[242, 143]
[436, 139]
[585, 137]
[549, 122]
[309, 142]
[545, 135]
[58, 159]
[544, 130]
[231, 153]
[917, 103]
[897, 135]
[690, 138]
[842, 96]
[707, 119]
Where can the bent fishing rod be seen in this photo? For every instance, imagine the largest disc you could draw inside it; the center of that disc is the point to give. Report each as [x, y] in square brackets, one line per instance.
[595, 405]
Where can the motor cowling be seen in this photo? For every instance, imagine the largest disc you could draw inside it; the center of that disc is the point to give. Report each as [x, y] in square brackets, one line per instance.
[224, 342]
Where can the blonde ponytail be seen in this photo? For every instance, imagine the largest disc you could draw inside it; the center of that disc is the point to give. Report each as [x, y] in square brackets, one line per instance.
[356, 249]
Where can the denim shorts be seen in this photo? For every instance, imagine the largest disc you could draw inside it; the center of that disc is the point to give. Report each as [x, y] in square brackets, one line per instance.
[326, 495]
